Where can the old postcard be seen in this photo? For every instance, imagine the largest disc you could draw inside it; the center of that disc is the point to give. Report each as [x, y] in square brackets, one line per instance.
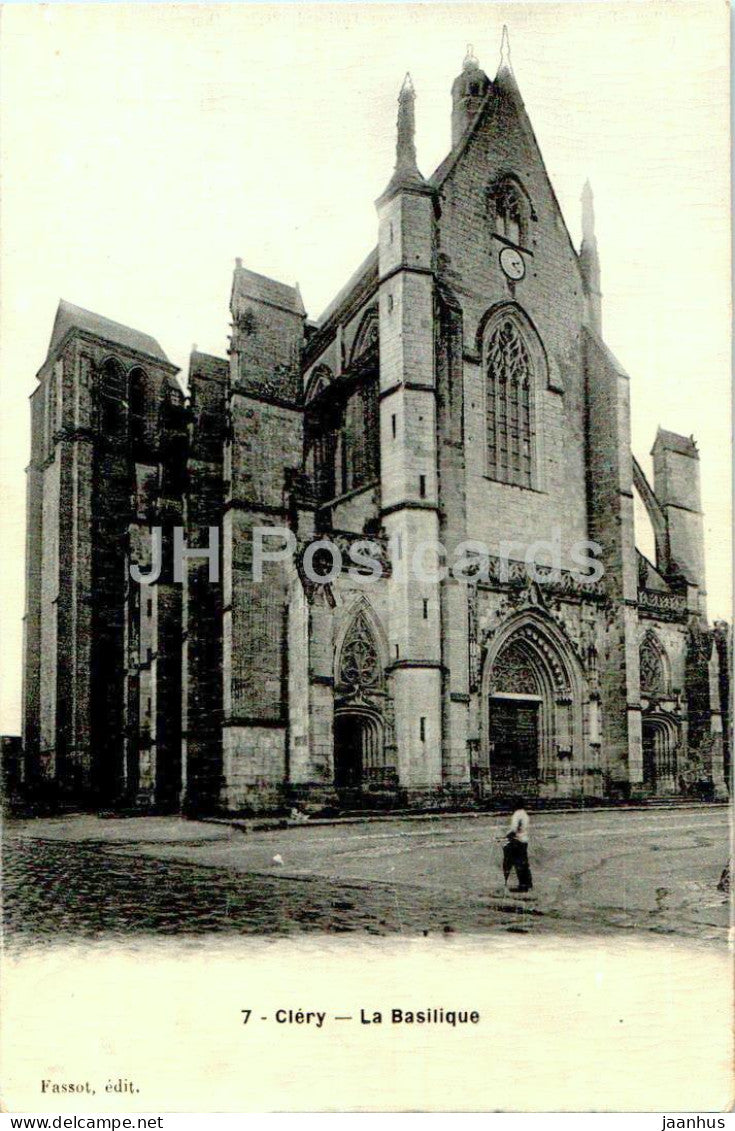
[367, 627]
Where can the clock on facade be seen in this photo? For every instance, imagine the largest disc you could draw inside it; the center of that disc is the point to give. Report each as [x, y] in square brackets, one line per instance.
[512, 263]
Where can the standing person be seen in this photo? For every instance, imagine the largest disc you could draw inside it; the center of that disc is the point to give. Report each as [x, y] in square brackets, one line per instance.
[515, 852]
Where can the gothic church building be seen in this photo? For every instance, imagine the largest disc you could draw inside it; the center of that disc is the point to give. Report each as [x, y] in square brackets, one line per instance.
[456, 390]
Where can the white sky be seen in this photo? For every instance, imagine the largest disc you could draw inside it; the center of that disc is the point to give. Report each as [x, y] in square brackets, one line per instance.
[144, 147]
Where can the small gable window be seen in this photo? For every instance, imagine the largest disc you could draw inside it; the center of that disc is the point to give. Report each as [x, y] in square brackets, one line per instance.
[511, 211]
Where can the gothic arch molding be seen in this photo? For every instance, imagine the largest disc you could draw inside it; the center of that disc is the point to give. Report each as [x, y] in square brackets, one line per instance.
[367, 336]
[110, 365]
[141, 406]
[321, 378]
[661, 741]
[111, 395]
[516, 314]
[361, 724]
[360, 621]
[540, 630]
[531, 668]
[654, 667]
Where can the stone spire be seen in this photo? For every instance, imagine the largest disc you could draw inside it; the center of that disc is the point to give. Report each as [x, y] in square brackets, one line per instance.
[589, 260]
[406, 132]
[505, 80]
[505, 63]
[588, 215]
[406, 174]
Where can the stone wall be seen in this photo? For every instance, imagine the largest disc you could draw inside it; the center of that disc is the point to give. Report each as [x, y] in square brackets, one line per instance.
[202, 687]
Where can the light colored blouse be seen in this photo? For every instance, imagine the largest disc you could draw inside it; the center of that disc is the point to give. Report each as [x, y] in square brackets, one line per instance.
[519, 823]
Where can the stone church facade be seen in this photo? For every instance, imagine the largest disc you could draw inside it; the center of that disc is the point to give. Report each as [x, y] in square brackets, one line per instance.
[456, 391]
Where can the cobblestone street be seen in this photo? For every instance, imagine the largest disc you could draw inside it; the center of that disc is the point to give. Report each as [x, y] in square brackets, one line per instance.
[622, 871]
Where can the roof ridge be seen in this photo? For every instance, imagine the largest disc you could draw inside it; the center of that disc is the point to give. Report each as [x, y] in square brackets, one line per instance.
[69, 316]
[271, 291]
[504, 83]
[72, 306]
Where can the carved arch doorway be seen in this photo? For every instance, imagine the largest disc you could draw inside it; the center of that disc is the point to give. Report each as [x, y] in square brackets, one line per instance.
[533, 727]
[358, 747]
[660, 745]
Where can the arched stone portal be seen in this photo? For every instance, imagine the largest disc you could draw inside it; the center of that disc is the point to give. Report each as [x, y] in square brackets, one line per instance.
[358, 747]
[359, 707]
[660, 746]
[533, 711]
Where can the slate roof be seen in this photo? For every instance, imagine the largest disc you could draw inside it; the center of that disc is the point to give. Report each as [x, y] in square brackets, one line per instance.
[259, 287]
[70, 317]
[207, 365]
[367, 269]
[673, 442]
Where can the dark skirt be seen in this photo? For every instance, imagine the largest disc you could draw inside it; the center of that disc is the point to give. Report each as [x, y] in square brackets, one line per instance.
[515, 855]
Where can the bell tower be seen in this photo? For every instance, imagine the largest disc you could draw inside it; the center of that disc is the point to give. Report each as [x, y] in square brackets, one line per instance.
[468, 92]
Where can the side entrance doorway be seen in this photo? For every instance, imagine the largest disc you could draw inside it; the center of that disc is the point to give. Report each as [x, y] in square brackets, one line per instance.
[358, 749]
[348, 744]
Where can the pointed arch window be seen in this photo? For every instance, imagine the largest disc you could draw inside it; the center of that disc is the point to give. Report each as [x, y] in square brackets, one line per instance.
[112, 393]
[359, 665]
[360, 445]
[509, 380]
[140, 408]
[367, 338]
[653, 672]
[509, 213]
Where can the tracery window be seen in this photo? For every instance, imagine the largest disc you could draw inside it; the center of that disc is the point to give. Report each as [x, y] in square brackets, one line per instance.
[509, 374]
[50, 412]
[360, 438]
[653, 678]
[138, 408]
[513, 672]
[323, 447]
[359, 665]
[509, 213]
[112, 397]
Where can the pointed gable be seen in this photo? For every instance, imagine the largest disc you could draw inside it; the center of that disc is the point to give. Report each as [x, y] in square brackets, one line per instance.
[503, 130]
[498, 144]
[70, 317]
[247, 284]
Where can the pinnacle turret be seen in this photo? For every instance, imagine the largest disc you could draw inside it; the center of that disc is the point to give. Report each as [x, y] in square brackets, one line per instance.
[406, 174]
[468, 93]
[505, 79]
[406, 128]
[589, 260]
[588, 215]
[505, 63]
